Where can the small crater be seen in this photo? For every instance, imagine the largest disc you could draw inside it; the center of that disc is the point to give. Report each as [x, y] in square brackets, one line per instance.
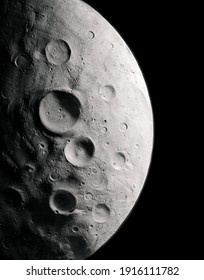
[101, 213]
[94, 170]
[79, 151]
[22, 61]
[83, 183]
[122, 197]
[59, 111]
[63, 201]
[88, 196]
[118, 161]
[107, 93]
[106, 144]
[54, 176]
[100, 181]
[57, 52]
[104, 129]
[123, 127]
[42, 146]
[75, 229]
[3, 95]
[90, 35]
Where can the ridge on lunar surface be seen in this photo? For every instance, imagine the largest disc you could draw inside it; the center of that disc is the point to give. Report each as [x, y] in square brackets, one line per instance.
[76, 130]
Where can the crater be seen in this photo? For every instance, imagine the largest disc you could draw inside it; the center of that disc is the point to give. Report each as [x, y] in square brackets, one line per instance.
[107, 93]
[123, 127]
[22, 61]
[100, 181]
[59, 111]
[75, 229]
[90, 35]
[104, 129]
[57, 52]
[63, 201]
[122, 196]
[54, 176]
[118, 161]
[79, 151]
[101, 213]
[88, 196]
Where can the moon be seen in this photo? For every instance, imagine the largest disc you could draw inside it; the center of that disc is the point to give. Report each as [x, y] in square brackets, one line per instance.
[76, 130]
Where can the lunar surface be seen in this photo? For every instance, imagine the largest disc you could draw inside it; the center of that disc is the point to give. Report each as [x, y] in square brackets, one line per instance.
[76, 130]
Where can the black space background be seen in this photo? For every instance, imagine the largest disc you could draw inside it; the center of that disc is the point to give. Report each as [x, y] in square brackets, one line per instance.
[166, 222]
